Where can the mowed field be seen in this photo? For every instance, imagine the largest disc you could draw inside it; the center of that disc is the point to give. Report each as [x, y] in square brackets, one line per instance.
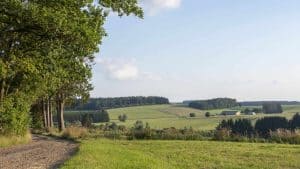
[123, 154]
[174, 115]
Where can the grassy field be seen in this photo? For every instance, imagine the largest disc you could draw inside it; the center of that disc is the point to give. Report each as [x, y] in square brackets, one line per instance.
[121, 154]
[163, 116]
[175, 115]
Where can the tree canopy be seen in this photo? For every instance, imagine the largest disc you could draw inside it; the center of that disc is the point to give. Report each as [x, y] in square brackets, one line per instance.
[46, 52]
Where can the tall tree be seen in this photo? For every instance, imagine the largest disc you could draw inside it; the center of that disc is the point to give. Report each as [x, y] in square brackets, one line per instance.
[41, 42]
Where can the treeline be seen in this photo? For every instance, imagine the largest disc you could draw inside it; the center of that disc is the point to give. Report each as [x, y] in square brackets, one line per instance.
[266, 127]
[116, 102]
[217, 103]
[260, 103]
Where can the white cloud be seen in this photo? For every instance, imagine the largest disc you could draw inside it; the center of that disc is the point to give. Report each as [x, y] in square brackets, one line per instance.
[119, 69]
[125, 69]
[155, 6]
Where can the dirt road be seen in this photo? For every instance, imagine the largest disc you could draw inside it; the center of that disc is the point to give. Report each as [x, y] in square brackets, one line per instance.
[42, 153]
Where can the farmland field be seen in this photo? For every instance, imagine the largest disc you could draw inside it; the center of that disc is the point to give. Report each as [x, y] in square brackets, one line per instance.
[176, 115]
[122, 154]
[163, 116]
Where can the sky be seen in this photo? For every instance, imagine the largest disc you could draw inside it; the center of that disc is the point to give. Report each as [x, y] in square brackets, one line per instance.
[201, 49]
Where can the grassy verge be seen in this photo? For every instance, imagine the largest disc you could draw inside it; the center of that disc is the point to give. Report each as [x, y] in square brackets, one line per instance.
[122, 154]
[7, 141]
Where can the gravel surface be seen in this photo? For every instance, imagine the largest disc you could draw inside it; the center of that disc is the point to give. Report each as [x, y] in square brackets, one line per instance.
[42, 153]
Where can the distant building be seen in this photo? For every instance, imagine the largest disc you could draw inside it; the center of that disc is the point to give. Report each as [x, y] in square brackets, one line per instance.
[231, 113]
[250, 113]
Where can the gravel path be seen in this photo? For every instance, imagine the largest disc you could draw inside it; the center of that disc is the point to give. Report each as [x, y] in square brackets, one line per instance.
[42, 153]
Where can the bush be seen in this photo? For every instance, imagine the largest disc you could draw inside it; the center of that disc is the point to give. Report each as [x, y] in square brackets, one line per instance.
[222, 134]
[73, 132]
[264, 125]
[295, 122]
[6, 141]
[138, 131]
[192, 115]
[207, 114]
[86, 121]
[285, 136]
[122, 117]
[272, 107]
[14, 119]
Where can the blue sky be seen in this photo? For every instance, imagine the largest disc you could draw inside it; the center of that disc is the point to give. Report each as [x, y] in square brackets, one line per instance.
[199, 49]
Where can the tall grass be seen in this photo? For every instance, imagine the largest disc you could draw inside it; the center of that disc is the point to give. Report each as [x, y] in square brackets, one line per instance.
[7, 141]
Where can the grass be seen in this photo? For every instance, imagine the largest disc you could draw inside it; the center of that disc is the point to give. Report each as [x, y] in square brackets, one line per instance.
[7, 141]
[122, 154]
[164, 116]
[176, 115]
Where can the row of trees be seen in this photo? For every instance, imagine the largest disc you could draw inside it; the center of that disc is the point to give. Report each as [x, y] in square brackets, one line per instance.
[262, 127]
[272, 107]
[105, 103]
[46, 54]
[217, 103]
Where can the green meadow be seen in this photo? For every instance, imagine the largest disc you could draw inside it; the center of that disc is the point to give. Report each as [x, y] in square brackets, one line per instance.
[175, 115]
[123, 154]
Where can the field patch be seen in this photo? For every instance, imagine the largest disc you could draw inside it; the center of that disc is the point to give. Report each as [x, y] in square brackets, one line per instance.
[122, 154]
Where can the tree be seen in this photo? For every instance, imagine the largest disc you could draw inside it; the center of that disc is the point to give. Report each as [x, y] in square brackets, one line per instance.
[122, 117]
[272, 107]
[41, 44]
[295, 121]
[192, 114]
[207, 114]
[86, 120]
[266, 124]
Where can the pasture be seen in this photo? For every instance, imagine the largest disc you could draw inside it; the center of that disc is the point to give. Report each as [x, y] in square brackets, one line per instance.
[123, 154]
[174, 115]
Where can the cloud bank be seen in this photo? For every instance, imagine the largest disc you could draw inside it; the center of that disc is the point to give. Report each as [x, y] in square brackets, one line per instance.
[155, 6]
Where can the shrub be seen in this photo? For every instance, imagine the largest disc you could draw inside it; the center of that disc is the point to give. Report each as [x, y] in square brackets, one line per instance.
[192, 115]
[10, 140]
[272, 107]
[138, 131]
[264, 125]
[122, 117]
[73, 132]
[285, 136]
[207, 114]
[222, 134]
[14, 119]
[86, 120]
[295, 122]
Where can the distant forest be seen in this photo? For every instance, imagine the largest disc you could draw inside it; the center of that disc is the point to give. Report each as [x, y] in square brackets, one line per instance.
[217, 103]
[261, 103]
[116, 102]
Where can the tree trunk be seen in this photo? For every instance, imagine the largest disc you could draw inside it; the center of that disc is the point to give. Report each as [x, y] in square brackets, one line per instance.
[60, 113]
[51, 113]
[48, 112]
[44, 113]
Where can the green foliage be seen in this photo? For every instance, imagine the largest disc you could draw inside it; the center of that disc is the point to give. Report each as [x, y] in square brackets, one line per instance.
[207, 114]
[96, 116]
[107, 103]
[86, 120]
[217, 103]
[264, 125]
[122, 117]
[295, 122]
[14, 115]
[272, 107]
[192, 114]
[241, 127]
[46, 49]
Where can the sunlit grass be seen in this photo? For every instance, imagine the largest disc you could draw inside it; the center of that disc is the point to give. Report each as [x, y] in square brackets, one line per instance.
[7, 141]
[109, 154]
